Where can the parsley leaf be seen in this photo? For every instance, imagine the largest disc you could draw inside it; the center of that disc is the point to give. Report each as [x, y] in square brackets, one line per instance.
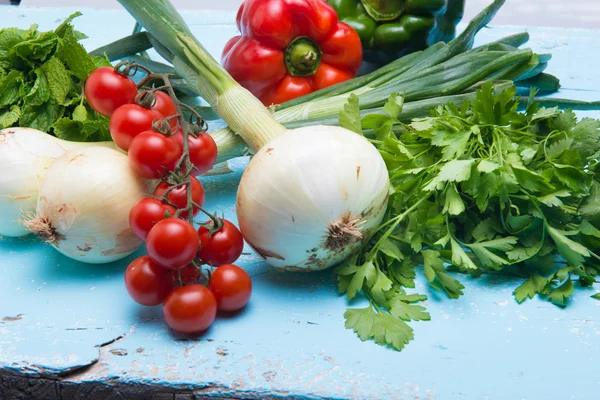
[383, 328]
[350, 117]
[596, 296]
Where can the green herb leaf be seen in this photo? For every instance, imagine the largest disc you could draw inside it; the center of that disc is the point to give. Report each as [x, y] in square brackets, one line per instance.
[454, 204]
[407, 312]
[366, 273]
[11, 88]
[383, 328]
[393, 107]
[435, 272]
[80, 113]
[59, 80]
[572, 251]
[452, 171]
[526, 291]
[40, 117]
[389, 248]
[350, 117]
[72, 54]
[596, 296]
[10, 116]
[560, 295]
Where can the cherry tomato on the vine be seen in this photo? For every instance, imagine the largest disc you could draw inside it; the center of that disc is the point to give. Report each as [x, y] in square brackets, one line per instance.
[178, 196]
[130, 120]
[202, 149]
[222, 247]
[165, 106]
[231, 286]
[147, 283]
[189, 274]
[146, 213]
[151, 152]
[190, 309]
[106, 90]
[172, 243]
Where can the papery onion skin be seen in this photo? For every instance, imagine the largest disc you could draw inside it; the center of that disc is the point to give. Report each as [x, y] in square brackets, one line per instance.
[25, 156]
[311, 196]
[84, 202]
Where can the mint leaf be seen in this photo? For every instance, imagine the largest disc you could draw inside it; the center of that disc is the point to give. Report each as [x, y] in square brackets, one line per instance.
[80, 113]
[350, 117]
[67, 129]
[63, 28]
[40, 91]
[8, 117]
[59, 81]
[383, 328]
[40, 117]
[11, 87]
[38, 48]
[72, 54]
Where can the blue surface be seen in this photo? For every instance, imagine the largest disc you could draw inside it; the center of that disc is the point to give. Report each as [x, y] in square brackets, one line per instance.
[57, 315]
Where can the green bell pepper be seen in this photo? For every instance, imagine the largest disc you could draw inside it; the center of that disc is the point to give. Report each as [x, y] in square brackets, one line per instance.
[389, 29]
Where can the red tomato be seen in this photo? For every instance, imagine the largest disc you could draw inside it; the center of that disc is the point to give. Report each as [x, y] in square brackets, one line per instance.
[190, 309]
[203, 151]
[106, 90]
[147, 283]
[172, 243]
[165, 106]
[231, 286]
[178, 196]
[145, 214]
[130, 120]
[222, 247]
[150, 153]
[189, 275]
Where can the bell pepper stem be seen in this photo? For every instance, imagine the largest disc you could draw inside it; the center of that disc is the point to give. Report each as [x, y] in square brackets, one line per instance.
[302, 56]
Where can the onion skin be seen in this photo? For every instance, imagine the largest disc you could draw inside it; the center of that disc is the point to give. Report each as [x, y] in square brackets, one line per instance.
[25, 156]
[84, 202]
[311, 196]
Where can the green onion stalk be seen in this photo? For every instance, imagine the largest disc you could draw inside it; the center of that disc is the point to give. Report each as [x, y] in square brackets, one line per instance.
[438, 75]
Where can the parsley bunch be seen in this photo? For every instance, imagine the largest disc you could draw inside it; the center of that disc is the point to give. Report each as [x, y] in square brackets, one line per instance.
[476, 188]
[41, 83]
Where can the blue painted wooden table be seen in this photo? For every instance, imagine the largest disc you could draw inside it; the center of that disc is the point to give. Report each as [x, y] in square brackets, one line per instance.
[69, 330]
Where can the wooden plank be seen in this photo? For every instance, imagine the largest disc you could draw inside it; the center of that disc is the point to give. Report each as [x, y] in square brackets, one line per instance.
[70, 329]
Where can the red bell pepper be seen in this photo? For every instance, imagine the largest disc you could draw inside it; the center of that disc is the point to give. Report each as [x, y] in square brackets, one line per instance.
[289, 48]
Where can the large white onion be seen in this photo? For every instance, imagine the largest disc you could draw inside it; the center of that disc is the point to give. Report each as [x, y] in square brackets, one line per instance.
[25, 156]
[83, 205]
[309, 197]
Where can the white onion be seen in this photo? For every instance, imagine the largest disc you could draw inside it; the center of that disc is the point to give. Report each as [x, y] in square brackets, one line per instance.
[83, 205]
[311, 196]
[25, 156]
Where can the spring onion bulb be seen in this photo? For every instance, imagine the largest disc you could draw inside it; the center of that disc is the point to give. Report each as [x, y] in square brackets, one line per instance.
[25, 156]
[310, 196]
[83, 205]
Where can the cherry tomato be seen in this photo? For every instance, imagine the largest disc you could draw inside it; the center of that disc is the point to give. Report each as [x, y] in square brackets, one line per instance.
[147, 283]
[189, 275]
[231, 286]
[165, 106]
[150, 153]
[145, 214]
[178, 196]
[106, 90]
[190, 309]
[203, 151]
[172, 243]
[130, 120]
[223, 247]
